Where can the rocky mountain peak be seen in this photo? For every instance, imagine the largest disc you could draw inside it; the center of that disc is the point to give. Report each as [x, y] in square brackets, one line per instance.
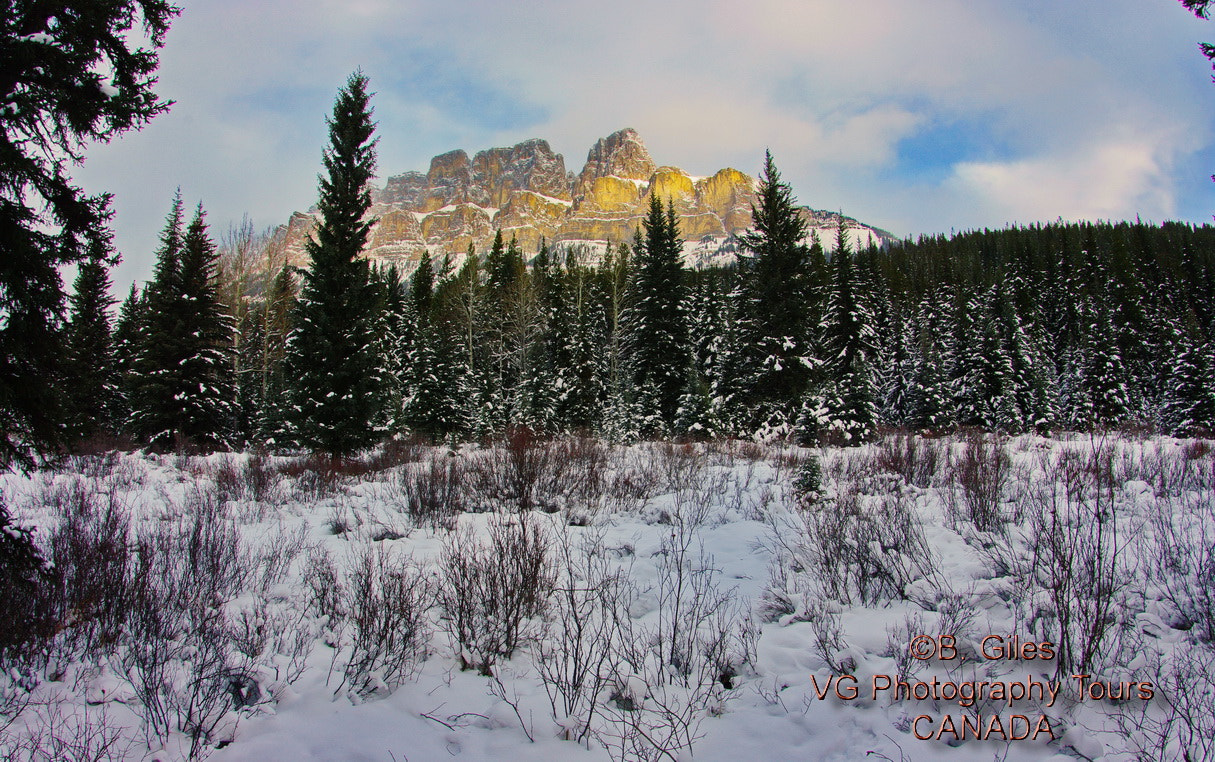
[526, 192]
[621, 154]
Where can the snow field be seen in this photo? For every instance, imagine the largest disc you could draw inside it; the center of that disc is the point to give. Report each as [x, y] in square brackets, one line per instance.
[660, 601]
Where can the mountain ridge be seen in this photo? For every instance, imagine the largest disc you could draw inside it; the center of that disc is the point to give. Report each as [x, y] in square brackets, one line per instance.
[526, 191]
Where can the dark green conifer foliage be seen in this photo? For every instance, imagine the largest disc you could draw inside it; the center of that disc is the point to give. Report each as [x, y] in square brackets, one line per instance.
[182, 386]
[273, 425]
[842, 407]
[68, 78]
[422, 286]
[206, 384]
[332, 361]
[1190, 401]
[91, 390]
[655, 328]
[774, 305]
[128, 330]
[153, 374]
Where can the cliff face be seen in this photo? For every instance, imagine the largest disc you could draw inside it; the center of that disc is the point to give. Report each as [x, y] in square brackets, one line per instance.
[525, 191]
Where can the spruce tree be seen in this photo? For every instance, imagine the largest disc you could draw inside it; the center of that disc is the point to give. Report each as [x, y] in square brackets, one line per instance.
[206, 390]
[128, 331]
[841, 407]
[333, 367]
[70, 78]
[1189, 408]
[273, 425]
[429, 380]
[773, 306]
[92, 394]
[182, 386]
[656, 345]
[153, 375]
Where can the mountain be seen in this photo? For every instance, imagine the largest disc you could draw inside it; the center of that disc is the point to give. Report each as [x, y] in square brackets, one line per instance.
[526, 191]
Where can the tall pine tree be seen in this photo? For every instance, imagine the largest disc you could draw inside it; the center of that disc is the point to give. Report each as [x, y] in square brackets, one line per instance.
[92, 388]
[182, 385]
[332, 361]
[656, 344]
[206, 390]
[774, 358]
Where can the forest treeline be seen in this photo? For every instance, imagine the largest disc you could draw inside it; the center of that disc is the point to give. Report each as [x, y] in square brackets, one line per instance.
[1041, 327]
[1065, 325]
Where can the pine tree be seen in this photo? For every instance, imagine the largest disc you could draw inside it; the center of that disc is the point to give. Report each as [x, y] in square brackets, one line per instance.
[773, 306]
[655, 331]
[206, 389]
[333, 367]
[70, 78]
[182, 387]
[92, 394]
[128, 331]
[1189, 408]
[153, 374]
[695, 417]
[273, 425]
[429, 380]
[842, 406]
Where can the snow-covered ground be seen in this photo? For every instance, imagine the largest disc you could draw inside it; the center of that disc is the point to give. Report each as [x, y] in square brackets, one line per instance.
[663, 602]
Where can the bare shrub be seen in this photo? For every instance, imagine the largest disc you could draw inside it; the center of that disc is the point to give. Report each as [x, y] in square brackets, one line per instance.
[1076, 555]
[338, 522]
[396, 452]
[916, 459]
[898, 640]
[89, 550]
[828, 635]
[633, 481]
[54, 735]
[490, 590]
[864, 549]
[387, 600]
[274, 559]
[690, 604]
[179, 655]
[313, 477]
[982, 473]
[433, 491]
[326, 593]
[1169, 474]
[226, 473]
[1178, 724]
[574, 656]
[580, 477]
[680, 466]
[1181, 557]
[516, 471]
[670, 675]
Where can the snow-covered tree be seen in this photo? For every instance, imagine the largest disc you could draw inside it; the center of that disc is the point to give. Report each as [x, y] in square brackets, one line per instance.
[654, 326]
[333, 366]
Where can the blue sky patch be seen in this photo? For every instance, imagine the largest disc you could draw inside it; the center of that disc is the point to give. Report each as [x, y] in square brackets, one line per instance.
[930, 154]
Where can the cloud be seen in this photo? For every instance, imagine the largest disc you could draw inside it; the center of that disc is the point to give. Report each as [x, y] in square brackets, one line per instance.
[1102, 181]
[912, 116]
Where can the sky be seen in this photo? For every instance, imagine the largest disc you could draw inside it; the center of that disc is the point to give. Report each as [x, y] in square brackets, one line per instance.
[916, 117]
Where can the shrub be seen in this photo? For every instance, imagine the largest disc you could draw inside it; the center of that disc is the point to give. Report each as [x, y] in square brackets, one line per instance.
[489, 590]
[26, 582]
[982, 473]
[912, 457]
[89, 549]
[387, 600]
[433, 491]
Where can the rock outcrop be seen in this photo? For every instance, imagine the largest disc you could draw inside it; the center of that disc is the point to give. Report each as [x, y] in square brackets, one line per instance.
[526, 192]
